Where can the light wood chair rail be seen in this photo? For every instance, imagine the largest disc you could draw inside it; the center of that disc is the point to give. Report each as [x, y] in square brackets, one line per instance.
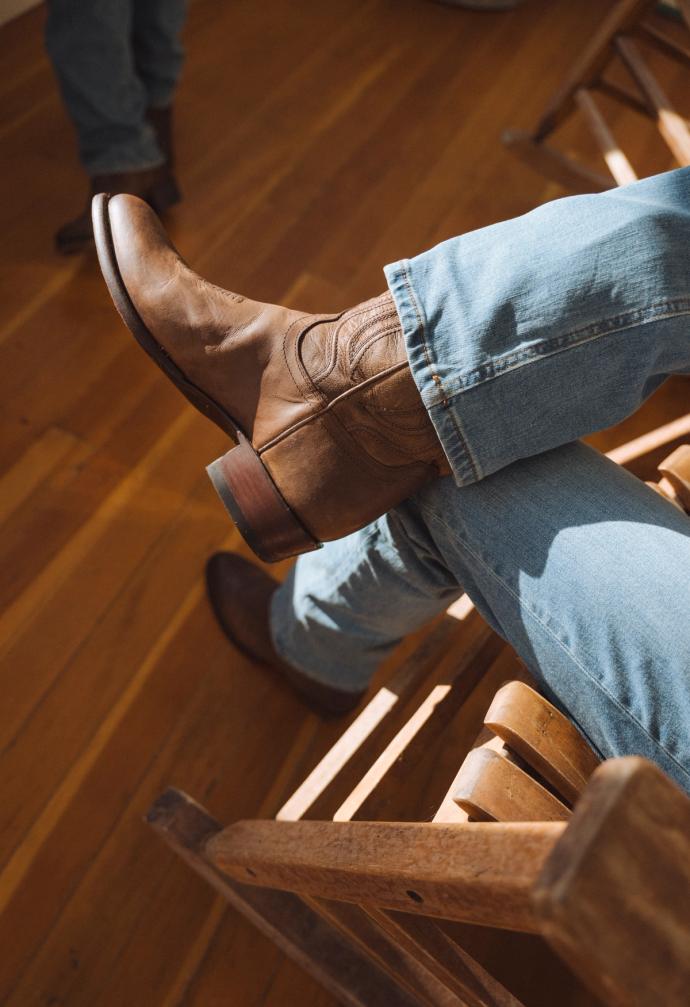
[539, 876]
[627, 28]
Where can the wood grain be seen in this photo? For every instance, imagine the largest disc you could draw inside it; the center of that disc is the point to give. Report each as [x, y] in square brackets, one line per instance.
[490, 787]
[614, 896]
[479, 873]
[542, 736]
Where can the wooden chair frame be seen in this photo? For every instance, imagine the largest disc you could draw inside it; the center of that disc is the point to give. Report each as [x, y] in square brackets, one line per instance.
[534, 836]
[617, 39]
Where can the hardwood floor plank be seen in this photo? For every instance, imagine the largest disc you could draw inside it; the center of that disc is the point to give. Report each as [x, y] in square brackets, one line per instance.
[183, 738]
[35, 465]
[80, 545]
[141, 610]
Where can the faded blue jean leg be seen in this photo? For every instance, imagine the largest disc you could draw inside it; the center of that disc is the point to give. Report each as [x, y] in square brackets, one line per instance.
[539, 330]
[158, 51]
[112, 64]
[580, 566]
[521, 338]
[342, 609]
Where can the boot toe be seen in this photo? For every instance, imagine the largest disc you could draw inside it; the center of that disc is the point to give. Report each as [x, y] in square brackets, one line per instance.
[144, 253]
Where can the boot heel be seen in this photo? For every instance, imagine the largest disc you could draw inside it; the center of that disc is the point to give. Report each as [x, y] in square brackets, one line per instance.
[253, 501]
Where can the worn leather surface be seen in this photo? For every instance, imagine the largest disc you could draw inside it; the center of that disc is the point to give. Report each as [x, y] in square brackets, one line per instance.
[328, 401]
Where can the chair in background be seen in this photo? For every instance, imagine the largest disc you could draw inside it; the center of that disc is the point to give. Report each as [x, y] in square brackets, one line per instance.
[618, 40]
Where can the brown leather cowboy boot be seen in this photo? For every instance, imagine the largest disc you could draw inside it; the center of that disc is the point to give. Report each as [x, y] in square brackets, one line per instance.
[240, 594]
[330, 429]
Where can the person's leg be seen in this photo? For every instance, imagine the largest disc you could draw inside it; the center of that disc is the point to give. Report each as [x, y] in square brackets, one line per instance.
[158, 53]
[579, 565]
[494, 346]
[91, 50]
[124, 145]
[542, 329]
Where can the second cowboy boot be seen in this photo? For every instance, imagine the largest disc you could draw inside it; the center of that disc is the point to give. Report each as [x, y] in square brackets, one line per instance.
[240, 594]
[329, 426]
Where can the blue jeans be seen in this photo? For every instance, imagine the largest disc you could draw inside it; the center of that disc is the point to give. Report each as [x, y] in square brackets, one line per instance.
[523, 337]
[114, 59]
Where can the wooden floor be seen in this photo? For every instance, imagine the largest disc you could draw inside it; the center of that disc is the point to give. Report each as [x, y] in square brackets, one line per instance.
[318, 141]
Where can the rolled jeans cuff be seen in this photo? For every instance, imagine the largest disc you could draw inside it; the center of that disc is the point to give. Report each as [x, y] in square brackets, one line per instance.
[537, 331]
[420, 352]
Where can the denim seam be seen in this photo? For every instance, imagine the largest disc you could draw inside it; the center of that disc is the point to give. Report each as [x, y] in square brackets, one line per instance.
[562, 646]
[444, 401]
[579, 337]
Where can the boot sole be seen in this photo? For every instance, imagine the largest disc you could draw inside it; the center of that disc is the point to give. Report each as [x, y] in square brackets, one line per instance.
[263, 518]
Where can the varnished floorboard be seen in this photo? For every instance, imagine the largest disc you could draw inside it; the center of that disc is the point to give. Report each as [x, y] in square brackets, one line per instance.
[317, 142]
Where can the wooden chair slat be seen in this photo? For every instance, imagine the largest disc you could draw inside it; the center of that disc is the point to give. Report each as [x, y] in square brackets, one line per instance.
[625, 96]
[454, 967]
[393, 955]
[543, 737]
[560, 168]
[377, 795]
[345, 778]
[664, 44]
[676, 469]
[491, 788]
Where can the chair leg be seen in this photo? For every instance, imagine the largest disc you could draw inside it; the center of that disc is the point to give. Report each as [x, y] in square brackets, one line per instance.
[590, 64]
[617, 162]
[672, 126]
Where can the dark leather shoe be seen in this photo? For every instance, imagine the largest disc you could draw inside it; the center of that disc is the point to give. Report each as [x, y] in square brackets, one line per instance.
[157, 186]
[330, 427]
[240, 595]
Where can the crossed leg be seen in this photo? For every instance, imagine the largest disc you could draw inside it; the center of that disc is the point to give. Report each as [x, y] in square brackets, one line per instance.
[579, 565]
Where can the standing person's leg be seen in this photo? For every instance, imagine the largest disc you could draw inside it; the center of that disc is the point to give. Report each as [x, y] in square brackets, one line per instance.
[158, 55]
[91, 50]
[580, 566]
[157, 46]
